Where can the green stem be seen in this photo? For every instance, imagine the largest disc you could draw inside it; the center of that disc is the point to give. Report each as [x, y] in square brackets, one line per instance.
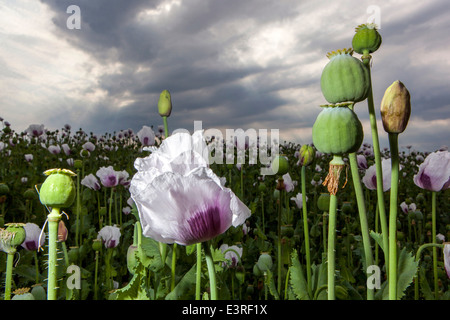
[378, 168]
[279, 256]
[324, 231]
[109, 280]
[242, 182]
[377, 219]
[331, 246]
[99, 212]
[319, 290]
[36, 264]
[174, 263]
[357, 186]
[78, 212]
[418, 254]
[262, 211]
[9, 270]
[166, 128]
[199, 272]
[393, 143]
[306, 232]
[433, 234]
[211, 272]
[66, 255]
[53, 221]
[286, 284]
[110, 205]
[96, 276]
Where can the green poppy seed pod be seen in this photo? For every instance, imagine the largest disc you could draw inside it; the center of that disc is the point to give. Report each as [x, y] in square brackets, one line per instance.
[29, 194]
[38, 292]
[366, 39]
[307, 155]
[4, 189]
[23, 294]
[395, 108]
[276, 194]
[262, 187]
[58, 189]
[323, 202]
[280, 165]
[337, 130]
[165, 104]
[265, 262]
[344, 78]
[97, 244]
[78, 164]
[256, 271]
[18, 233]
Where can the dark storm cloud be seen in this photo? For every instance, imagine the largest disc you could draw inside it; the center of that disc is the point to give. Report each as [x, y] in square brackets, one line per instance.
[186, 51]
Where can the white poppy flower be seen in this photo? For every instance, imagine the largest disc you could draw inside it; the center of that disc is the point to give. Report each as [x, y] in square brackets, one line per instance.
[179, 198]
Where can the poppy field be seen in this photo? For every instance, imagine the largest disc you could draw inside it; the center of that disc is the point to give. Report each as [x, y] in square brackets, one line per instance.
[148, 215]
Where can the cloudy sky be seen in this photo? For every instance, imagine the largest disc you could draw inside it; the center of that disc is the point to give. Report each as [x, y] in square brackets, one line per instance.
[228, 63]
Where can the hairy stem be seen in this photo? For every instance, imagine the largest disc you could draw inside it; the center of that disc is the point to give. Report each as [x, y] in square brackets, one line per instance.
[53, 221]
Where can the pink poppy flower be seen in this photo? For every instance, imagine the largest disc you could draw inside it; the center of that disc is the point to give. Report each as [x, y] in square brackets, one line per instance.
[434, 172]
[110, 236]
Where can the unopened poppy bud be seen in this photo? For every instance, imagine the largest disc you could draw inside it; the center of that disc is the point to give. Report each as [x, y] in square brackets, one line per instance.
[307, 154]
[280, 165]
[62, 231]
[395, 108]
[165, 104]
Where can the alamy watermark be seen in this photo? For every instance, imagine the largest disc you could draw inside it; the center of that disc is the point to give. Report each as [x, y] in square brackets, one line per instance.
[74, 20]
[259, 144]
[375, 15]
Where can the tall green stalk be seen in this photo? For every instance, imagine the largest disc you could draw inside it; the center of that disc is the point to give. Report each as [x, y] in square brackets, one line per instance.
[306, 232]
[211, 271]
[9, 270]
[433, 234]
[78, 212]
[393, 143]
[173, 266]
[331, 247]
[377, 154]
[166, 128]
[357, 186]
[53, 221]
[279, 256]
[198, 279]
